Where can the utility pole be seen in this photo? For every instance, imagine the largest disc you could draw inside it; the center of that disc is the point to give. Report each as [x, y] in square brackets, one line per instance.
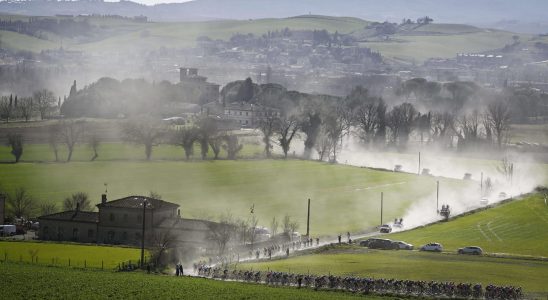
[382, 196]
[419, 170]
[438, 196]
[308, 220]
[145, 202]
[481, 184]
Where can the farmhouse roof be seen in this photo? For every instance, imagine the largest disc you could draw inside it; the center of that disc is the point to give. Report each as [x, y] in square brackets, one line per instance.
[185, 224]
[137, 201]
[73, 215]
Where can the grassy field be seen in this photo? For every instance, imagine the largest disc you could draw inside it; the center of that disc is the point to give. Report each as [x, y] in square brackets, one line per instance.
[66, 283]
[358, 261]
[421, 47]
[517, 227]
[210, 188]
[59, 254]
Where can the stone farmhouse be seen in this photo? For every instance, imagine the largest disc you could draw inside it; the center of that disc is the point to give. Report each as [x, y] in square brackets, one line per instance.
[121, 222]
[249, 115]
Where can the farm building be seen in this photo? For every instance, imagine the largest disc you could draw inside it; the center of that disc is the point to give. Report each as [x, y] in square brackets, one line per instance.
[121, 222]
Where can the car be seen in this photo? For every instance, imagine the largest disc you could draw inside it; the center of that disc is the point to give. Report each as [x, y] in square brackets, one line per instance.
[484, 201]
[385, 228]
[503, 195]
[384, 244]
[403, 245]
[365, 243]
[470, 250]
[435, 247]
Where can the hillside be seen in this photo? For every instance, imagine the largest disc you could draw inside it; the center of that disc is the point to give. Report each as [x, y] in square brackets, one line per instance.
[212, 188]
[517, 227]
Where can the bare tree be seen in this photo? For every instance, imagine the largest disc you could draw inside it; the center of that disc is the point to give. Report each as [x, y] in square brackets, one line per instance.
[286, 130]
[232, 146]
[268, 127]
[499, 119]
[48, 209]
[7, 107]
[44, 101]
[286, 225]
[186, 137]
[322, 144]
[443, 124]
[144, 131]
[216, 143]
[155, 195]
[253, 221]
[206, 129]
[506, 168]
[274, 226]
[368, 119]
[70, 133]
[79, 200]
[160, 242]
[21, 204]
[15, 141]
[94, 143]
[26, 108]
[53, 139]
[401, 120]
[222, 232]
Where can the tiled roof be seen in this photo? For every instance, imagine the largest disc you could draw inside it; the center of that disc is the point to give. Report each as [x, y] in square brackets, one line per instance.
[136, 202]
[73, 215]
[182, 224]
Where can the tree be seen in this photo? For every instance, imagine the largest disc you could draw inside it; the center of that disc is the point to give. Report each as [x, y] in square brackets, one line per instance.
[274, 226]
[506, 168]
[26, 108]
[94, 143]
[53, 139]
[154, 195]
[268, 127]
[144, 131]
[47, 209]
[70, 133]
[286, 130]
[498, 115]
[232, 146]
[368, 119]
[185, 137]
[323, 144]
[401, 120]
[79, 200]
[7, 107]
[44, 101]
[207, 127]
[310, 126]
[245, 92]
[73, 90]
[216, 143]
[21, 204]
[222, 232]
[15, 141]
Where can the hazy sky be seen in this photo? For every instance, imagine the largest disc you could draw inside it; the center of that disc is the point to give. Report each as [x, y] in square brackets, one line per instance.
[152, 2]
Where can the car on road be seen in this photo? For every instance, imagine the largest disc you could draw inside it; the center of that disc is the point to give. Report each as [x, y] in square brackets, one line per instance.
[470, 250]
[403, 245]
[484, 201]
[434, 247]
[385, 228]
[384, 244]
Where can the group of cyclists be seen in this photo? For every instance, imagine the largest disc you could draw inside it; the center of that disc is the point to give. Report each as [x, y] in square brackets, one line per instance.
[378, 286]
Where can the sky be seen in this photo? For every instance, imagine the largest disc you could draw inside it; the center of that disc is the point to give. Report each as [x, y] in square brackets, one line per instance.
[152, 2]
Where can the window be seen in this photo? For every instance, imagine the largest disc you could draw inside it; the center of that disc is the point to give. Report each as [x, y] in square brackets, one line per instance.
[240, 113]
[110, 235]
[125, 217]
[111, 217]
[139, 218]
[90, 233]
[246, 113]
[137, 236]
[75, 233]
[246, 121]
[124, 236]
[46, 229]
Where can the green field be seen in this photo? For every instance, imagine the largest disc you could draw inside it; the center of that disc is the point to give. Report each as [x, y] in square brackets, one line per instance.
[343, 197]
[24, 281]
[89, 256]
[358, 261]
[518, 227]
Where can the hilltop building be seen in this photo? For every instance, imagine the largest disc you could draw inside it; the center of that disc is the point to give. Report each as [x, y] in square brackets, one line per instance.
[195, 84]
[121, 222]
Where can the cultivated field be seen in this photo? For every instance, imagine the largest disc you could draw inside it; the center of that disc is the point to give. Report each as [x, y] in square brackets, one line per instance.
[68, 283]
[89, 256]
[344, 198]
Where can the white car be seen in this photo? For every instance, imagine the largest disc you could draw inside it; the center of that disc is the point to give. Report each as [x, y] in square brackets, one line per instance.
[484, 201]
[435, 247]
[403, 245]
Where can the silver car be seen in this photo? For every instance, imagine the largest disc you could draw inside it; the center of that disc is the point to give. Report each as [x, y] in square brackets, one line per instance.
[471, 250]
[403, 245]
